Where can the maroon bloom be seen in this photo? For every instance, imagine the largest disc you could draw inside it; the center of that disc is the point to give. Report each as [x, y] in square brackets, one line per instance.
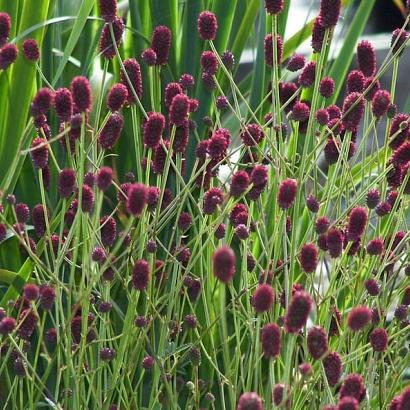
[8, 55]
[268, 44]
[171, 90]
[274, 6]
[5, 27]
[329, 12]
[373, 198]
[380, 103]
[357, 223]
[22, 212]
[131, 77]
[47, 297]
[263, 297]
[66, 182]
[353, 109]
[287, 193]
[296, 62]
[31, 50]
[308, 257]
[7, 325]
[348, 403]
[318, 35]
[401, 155]
[271, 340]
[353, 386]
[107, 47]
[375, 247]
[63, 104]
[379, 339]
[31, 291]
[209, 62]
[334, 241]
[140, 274]
[399, 37]
[327, 87]
[322, 116]
[108, 9]
[366, 58]
[117, 97]
[104, 178]
[149, 57]
[355, 82]
[207, 25]
[161, 43]
[41, 102]
[252, 135]
[359, 317]
[223, 262]
[27, 323]
[317, 342]
[300, 112]
[87, 200]
[108, 230]
[38, 216]
[322, 224]
[186, 81]
[212, 199]
[111, 131]
[153, 129]
[239, 183]
[249, 401]
[137, 198]
[332, 364]
[298, 311]
[308, 74]
[81, 92]
[179, 109]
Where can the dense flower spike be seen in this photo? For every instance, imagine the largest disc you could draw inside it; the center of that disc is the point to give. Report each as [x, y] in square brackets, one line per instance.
[327, 87]
[137, 198]
[380, 103]
[274, 6]
[108, 230]
[161, 44]
[329, 12]
[149, 57]
[249, 401]
[179, 109]
[107, 45]
[131, 77]
[108, 9]
[207, 25]
[117, 97]
[66, 182]
[212, 199]
[399, 37]
[355, 82]
[317, 342]
[334, 241]
[153, 128]
[402, 154]
[353, 109]
[8, 55]
[308, 257]
[140, 274]
[22, 212]
[63, 104]
[379, 339]
[223, 262]
[287, 193]
[81, 91]
[104, 178]
[318, 35]
[298, 312]
[353, 386]
[87, 200]
[375, 247]
[111, 131]
[7, 325]
[209, 62]
[399, 130]
[296, 62]
[5, 26]
[268, 44]
[359, 317]
[357, 223]
[31, 50]
[366, 58]
[38, 216]
[373, 198]
[239, 183]
[263, 297]
[300, 112]
[47, 297]
[252, 135]
[348, 403]
[308, 74]
[332, 364]
[271, 340]
[39, 153]
[42, 102]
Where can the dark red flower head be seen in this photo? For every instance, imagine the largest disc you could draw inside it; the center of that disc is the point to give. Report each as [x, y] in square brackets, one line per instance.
[8, 55]
[31, 50]
[399, 37]
[353, 386]
[239, 183]
[228, 59]
[149, 57]
[63, 104]
[252, 134]
[274, 6]
[298, 311]
[5, 27]
[186, 81]
[380, 103]
[179, 109]
[108, 229]
[259, 176]
[263, 298]
[332, 364]
[322, 116]
[249, 401]
[317, 342]
[87, 200]
[66, 182]
[322, 224]
[207, 25]
[359, 317]
[137, 198]
[39, 155]
[161, 43]
[268, 44]
[47, 297]
[7, 325]
[212, 199]
[353, 109]
[329, 12]
[366, 58]
[131, 77]
[375, 247]
[357, 223]
[296, 62]
[140, 274]
[38, 216]
[327, 87]
[308, 74]
[271, 340]
[108, 9]
[318, 35]
[153, 128]
[22, 212]
[42, 102]
[373, 198]
[334, 241]
[171, 90]
[379, 339]
[104, 178]
[111, 131]
[287, 193]
[209, 62]
[223, 262]
[348, 403]
[107, 47]
[81, 91]
[117, 97]
[300, 112]
[355, 81]
[308, 257]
